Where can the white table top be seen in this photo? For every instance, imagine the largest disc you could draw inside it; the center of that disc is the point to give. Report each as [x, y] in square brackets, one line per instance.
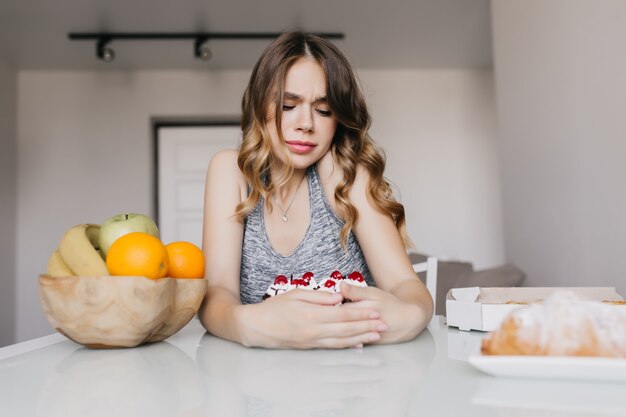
[195, 374]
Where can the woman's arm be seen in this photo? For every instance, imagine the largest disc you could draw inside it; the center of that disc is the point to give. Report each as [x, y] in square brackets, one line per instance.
[222, 237]
[297, 319]
[401, 298]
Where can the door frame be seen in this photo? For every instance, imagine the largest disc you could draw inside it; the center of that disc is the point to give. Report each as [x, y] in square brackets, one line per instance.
[158, 123]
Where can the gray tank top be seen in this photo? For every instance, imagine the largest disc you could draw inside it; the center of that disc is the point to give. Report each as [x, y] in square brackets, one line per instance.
[319, 251]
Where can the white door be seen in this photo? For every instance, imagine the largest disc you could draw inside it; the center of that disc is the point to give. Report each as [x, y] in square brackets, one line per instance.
[183, 156]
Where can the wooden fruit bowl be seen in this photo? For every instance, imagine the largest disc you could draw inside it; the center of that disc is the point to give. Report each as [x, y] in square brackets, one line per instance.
[119, 311]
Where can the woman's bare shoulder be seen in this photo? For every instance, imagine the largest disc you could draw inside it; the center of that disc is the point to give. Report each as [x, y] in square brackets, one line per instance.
[225, 159]
[224, 162]
[223, 167]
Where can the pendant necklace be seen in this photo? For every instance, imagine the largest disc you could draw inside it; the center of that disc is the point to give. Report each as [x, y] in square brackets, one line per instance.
[285, 218]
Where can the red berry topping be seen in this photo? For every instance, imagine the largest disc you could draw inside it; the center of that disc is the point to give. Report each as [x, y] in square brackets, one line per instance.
[356, 276]
[329, 284]
[307, 276]
[299, 282]
[280, 280]
[336, 275]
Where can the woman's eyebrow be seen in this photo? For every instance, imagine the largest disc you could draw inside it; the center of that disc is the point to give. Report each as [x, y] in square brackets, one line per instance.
[295, 97]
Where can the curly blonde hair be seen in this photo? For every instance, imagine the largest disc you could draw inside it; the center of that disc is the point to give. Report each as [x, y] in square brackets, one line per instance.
[351, 146]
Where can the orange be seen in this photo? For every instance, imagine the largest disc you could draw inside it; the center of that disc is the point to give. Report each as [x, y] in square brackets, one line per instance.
[138, 254]
[186, 260]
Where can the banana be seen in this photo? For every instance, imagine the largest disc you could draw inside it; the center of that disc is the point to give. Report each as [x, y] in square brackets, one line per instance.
[79, 249]
[57, 266]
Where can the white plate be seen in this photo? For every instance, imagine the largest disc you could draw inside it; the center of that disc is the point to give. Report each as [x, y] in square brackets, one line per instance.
[551, 397]
[552, 367]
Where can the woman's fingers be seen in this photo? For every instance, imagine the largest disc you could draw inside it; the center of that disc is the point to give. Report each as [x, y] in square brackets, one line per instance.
[351, 328]
[317, 321]
[354, 293]
[351, 341]
[345, 314]
[315, 297]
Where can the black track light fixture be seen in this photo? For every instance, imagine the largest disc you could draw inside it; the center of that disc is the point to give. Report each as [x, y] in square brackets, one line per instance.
[200, 48]
[200, 39]
[103, 50]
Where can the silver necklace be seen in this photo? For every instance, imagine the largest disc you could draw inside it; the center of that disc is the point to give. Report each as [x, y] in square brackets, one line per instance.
[285, 218]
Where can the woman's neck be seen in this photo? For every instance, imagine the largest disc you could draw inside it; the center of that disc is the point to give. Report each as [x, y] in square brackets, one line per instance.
[287, 190]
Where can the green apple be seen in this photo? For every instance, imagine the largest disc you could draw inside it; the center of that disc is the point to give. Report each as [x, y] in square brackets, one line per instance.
[117, 226]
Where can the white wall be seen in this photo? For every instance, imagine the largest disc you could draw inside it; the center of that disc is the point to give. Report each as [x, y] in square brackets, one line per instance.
[7, 203]
[561, 93]
[85, 153]
[438, 130]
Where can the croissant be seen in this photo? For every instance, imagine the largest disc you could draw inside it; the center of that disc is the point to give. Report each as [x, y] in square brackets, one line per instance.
[563, 325]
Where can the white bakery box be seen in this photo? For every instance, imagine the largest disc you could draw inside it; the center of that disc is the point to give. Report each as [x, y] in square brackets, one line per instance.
[478, 308]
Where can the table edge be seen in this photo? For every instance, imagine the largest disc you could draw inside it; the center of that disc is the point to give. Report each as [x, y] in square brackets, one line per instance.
[30, 345]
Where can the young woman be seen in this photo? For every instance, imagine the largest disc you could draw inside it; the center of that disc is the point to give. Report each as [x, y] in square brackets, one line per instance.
[306, 192]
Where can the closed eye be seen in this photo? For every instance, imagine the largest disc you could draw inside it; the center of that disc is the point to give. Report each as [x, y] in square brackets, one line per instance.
[287, 108]
[324, 113]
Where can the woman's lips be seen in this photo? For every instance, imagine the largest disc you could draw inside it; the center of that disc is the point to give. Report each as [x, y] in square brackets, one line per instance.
[297, 146]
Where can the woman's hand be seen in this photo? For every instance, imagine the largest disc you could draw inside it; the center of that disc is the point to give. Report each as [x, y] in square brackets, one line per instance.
[402, 317]
[304, 319]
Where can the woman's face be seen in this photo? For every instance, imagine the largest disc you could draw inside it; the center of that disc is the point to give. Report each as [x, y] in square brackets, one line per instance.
[308, 125]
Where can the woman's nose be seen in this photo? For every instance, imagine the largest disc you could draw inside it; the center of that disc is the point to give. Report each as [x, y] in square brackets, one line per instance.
[305, 121]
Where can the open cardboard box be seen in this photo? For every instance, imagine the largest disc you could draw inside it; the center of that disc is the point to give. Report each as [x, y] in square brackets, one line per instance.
[477, 308]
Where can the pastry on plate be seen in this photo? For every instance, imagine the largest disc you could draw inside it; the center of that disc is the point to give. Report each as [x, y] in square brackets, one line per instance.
[563, 325]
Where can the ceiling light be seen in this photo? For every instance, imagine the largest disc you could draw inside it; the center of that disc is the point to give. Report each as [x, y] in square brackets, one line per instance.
[103, 51]
[201, 50]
